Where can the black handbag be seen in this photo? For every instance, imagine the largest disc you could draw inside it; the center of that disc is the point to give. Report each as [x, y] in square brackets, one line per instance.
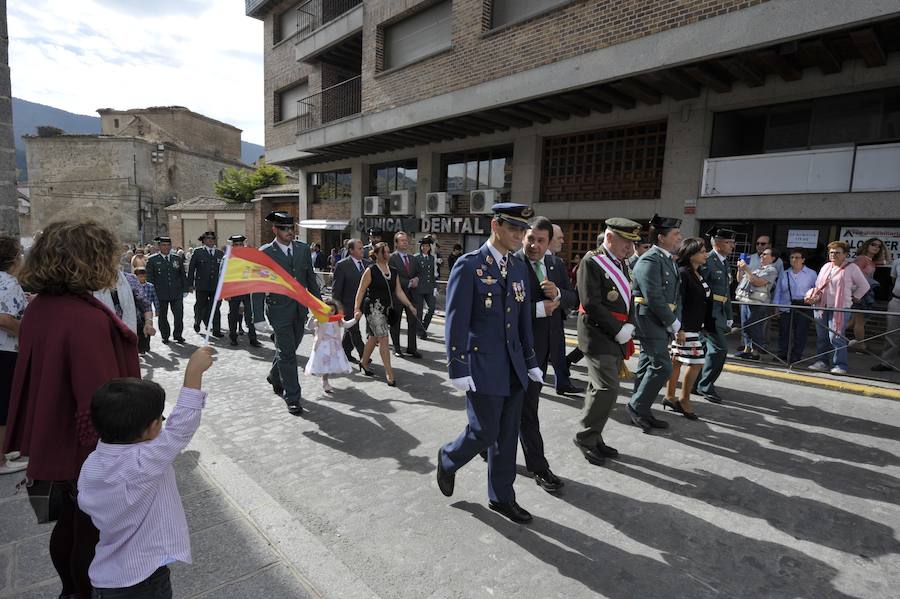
[49, 497]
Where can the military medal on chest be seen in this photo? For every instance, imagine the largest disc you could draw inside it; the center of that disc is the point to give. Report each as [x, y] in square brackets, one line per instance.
[612, 296]
[488, 301]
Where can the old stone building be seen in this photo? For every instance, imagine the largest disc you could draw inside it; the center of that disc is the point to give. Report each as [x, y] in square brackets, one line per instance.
[142, 161]
[771, 116]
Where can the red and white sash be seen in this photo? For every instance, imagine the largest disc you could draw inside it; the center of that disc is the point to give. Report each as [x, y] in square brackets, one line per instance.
[617, 276]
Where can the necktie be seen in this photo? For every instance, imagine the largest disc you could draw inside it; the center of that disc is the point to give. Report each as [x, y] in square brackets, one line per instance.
[539, 270]
[502, 264]
[210, 251]
[167, 258]
[289, 253]
[359, 266]
[406, 262]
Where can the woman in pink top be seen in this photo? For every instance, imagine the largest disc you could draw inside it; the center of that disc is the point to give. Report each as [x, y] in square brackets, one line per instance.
[840, 283]
[871, 254]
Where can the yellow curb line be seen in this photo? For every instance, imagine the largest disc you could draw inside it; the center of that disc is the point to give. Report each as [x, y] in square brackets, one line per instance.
[867, 390]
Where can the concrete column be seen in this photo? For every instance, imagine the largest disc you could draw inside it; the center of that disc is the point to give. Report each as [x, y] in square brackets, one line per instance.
[9, 204]
[428, 177]
[304, 204]
[359, 188]
[687, 146]
[526, 179]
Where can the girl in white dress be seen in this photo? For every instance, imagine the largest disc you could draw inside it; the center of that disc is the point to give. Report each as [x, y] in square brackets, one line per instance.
[328, 355]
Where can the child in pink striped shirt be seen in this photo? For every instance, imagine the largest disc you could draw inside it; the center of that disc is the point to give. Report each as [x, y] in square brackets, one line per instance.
[127, 485]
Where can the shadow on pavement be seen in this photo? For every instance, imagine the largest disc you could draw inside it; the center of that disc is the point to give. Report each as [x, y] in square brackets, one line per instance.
[802, 518]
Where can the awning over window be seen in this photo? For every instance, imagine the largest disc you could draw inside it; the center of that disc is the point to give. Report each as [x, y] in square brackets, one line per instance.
[330, 225]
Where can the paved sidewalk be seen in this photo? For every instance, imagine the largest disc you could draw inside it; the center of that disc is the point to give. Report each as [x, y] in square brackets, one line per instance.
[784, 491]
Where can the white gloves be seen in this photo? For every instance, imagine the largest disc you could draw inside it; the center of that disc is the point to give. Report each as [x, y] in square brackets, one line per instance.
[536, 375]
[625, 333]
[465, 383]
[435, 292]
[675, 326]
[730, 323]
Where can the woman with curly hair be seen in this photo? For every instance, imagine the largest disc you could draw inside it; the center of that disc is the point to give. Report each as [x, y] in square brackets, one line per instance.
[69, 345]
[871, 254]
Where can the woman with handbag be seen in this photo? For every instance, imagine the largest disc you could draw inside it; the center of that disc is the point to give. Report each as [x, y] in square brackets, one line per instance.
[755, 287]
[840, 283]
[870, 255]
[790, 291]
[69, 345]
[375, 288]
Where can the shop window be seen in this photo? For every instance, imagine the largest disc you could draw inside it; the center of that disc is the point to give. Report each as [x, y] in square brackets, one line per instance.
[393, 176]
[418, 36]
[623, 163]
[330, 186]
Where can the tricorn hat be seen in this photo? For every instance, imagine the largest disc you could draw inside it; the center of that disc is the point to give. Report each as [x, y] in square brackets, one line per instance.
[665, 222]
[280, 219]
[207, 235]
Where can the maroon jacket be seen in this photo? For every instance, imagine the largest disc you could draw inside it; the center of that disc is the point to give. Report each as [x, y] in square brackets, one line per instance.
[68, 347]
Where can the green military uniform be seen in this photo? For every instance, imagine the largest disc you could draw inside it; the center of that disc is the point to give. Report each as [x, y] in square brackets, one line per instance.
[423, 293]
[657, 297]
[286, 315]
[203, 276]
[605, 313]
[719, 319]
[168, 276]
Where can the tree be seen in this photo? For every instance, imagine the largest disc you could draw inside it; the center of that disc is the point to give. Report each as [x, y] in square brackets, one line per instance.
[238, 185]
[49, 131]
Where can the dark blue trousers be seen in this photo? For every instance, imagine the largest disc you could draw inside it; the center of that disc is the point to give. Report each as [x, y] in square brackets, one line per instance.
[494, 425]
[561, 377]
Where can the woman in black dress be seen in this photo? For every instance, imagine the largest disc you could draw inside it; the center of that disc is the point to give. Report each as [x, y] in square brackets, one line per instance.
[688, 348]
[375, 286]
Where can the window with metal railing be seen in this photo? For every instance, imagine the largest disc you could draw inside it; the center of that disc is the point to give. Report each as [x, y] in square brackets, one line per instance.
[312, 14]
[330, 104]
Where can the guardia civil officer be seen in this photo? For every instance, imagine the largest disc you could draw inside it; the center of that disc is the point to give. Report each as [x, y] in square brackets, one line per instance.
[656, 291]
[375, 235]
[235, 305]
[203, 277]
[605, 330]
[286, 315]
[425, 293]
[165, 270]
[490, 356]
[719, 319]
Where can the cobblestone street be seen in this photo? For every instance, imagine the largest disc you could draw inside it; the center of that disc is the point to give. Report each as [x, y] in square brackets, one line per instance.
[784, 491]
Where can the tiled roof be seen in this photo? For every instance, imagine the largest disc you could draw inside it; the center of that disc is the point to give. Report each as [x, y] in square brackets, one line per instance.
[209, 203]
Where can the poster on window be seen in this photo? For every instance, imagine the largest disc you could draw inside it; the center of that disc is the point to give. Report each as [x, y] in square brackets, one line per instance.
[857, 236]
[803, 238]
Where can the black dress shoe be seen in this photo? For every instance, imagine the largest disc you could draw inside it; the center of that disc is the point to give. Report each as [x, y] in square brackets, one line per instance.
[570, 390]
[196, 327]
[548, 481]
[712, 397]
[414, 354]
[445, 480]
[423, 336]
[638, 420]
[511, 510]
[255, 343]
[276, 387]
[591, 454]
[352, 360]
[398, 354]
[179, 339]
[233, 342]
[295, 409]
[483, 454]
[166, 341]
[218, 334]
[656, 422]
[606, 450]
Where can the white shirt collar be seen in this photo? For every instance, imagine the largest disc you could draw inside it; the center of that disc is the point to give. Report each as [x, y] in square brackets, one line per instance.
[494, 251]
[721, 257]
[284, 248]
[666, 252]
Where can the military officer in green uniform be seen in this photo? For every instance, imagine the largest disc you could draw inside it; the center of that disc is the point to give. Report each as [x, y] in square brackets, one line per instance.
[656, 293]
[604, 330]
[165, 270]
[240, 307]
[286, 315]
[424, 293]
[203, 277]
[719, 318]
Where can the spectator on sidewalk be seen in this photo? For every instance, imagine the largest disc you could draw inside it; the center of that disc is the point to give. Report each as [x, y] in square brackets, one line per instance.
[871, 254]
[70, 344]
[754, 289]
[149, 292]
[892, 339]
[127, 485]
[12, 307]
[790, 290]
[763, 242]
[839, 284]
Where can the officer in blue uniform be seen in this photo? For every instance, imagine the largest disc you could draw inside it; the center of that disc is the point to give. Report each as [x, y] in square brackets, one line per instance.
[656, 292]
[287, 316]
[490, 353]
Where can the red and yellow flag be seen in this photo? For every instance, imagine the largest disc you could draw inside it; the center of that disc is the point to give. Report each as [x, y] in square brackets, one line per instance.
[248, 270]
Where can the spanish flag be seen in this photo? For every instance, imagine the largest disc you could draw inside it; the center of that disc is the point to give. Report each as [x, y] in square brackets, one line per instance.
[247, 270]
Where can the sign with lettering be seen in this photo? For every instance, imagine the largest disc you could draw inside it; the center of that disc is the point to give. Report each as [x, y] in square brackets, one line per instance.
[803, 238]
[460, 225]
[388, 224]
[856, 236]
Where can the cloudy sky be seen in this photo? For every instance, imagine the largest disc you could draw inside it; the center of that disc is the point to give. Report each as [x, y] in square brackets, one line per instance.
[88, 54]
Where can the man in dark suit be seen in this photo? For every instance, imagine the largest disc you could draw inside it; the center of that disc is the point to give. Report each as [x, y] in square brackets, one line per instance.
[240, 307]
[410, 271]
[491, 356]
[318, 257]
[286, 315]
[347, 274]
[166, 271]
[605, 330]
[203, 277]
[551, 296]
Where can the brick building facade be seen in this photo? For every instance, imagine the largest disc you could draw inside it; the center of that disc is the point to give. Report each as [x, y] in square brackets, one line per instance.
[589, 108]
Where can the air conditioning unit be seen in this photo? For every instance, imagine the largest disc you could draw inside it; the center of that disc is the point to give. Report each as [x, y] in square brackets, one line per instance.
[437, 202]
[402, 202]
[373, 205]
[482, 200]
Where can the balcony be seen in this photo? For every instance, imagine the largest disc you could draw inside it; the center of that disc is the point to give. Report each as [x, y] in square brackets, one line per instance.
[331, 104]
[324, 24]
[865, 168]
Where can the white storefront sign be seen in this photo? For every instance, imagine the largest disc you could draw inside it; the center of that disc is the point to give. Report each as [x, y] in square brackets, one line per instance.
[803, 238]
[856, 236]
